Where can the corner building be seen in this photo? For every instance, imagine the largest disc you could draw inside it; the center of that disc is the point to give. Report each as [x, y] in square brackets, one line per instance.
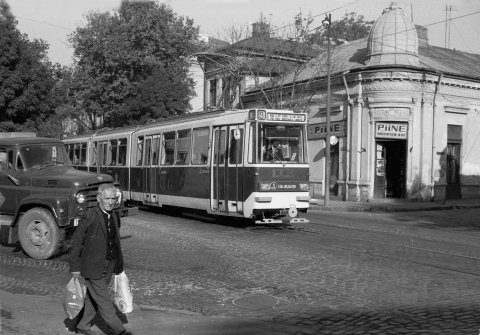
[405, 116]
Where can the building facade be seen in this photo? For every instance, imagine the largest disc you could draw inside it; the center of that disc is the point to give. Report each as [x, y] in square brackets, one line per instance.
[405, 116]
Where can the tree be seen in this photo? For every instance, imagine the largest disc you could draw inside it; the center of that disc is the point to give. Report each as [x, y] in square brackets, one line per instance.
[351, 27]
[140, 50]
[26, 77]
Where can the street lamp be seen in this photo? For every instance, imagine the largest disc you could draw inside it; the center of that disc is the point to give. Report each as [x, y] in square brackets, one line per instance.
[327, 22]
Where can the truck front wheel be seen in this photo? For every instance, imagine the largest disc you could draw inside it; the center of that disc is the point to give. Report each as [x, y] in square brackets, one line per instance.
[39, 234]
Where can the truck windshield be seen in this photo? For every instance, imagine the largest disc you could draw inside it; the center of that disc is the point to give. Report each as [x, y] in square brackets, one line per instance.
[281, 143]
[36, 156]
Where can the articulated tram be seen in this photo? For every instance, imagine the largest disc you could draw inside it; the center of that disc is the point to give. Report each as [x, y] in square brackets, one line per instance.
[245, 163]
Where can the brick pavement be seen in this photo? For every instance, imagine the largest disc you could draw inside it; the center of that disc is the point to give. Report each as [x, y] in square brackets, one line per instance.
[334, 289]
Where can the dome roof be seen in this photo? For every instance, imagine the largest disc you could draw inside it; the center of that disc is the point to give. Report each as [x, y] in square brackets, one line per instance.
[392, 40]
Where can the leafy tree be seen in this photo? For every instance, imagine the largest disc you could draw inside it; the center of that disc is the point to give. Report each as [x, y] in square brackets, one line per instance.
[58, 123]
[26, 77]
[351, 27]
[141, 50]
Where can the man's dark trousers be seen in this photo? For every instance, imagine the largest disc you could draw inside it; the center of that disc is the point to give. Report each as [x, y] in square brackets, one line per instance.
[97, 295]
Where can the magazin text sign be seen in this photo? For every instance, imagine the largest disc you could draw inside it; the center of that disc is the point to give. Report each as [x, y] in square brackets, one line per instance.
[391, 130]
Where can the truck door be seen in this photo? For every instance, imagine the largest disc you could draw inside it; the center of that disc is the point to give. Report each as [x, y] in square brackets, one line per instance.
[8, 187]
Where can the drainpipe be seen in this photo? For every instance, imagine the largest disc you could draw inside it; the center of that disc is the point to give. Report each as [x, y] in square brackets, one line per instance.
[432, 180]
[347, 159]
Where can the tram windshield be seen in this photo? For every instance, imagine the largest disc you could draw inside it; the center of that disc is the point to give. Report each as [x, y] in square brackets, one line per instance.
[281, 144]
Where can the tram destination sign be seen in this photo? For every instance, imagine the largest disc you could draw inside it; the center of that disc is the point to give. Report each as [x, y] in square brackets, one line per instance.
[286, 117]
[391, 130]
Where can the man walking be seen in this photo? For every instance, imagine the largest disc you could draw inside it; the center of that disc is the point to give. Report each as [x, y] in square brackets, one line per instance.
[96, 255]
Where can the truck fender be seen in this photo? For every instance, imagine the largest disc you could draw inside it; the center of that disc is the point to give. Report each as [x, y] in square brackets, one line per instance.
[58, 206]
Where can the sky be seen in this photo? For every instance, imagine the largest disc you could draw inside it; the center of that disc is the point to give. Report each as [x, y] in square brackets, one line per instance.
[53, 20]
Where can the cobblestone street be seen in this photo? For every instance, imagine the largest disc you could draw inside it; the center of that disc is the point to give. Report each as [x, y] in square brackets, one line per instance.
[343, 273]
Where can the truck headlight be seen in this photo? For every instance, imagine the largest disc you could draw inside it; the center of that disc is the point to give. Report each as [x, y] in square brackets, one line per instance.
[80, 198]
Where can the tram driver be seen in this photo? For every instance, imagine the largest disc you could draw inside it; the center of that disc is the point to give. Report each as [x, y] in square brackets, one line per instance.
[274, 152]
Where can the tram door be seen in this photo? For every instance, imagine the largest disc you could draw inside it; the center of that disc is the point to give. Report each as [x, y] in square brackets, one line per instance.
[150, 167]
[227, 183]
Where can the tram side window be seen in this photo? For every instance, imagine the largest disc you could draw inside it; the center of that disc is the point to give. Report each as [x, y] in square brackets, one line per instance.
[236, 147]
[76, 154]
[83, 153]
[104, 154]
[220, 147]
[168, 148]
[184, 142]
[200, 146]
[95, 153]
[70, 149]
[139, 150]
[113, 152]
[155, 147]
[122, 151]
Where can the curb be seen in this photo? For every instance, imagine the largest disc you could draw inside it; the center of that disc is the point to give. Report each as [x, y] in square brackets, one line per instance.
[385, 209]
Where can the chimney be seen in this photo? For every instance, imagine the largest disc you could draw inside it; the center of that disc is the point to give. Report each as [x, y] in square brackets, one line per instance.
[260, 29]
[422, 33]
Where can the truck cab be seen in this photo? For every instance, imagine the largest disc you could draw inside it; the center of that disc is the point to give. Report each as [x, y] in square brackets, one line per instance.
[41, 194]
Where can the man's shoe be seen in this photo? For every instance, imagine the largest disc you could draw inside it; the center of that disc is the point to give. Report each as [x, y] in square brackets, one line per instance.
[85, 332]
[126, 332]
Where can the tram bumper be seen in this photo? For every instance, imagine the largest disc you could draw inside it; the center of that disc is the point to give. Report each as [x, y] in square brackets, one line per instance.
[271, 207]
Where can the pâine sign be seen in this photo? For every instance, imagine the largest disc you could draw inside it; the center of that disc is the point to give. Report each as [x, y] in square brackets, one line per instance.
[391, 130]
[319, 130]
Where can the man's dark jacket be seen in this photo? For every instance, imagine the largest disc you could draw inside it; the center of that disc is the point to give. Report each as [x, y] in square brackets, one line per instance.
[89, 244]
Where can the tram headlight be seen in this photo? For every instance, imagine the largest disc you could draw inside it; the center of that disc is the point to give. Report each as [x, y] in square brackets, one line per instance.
[304, 186]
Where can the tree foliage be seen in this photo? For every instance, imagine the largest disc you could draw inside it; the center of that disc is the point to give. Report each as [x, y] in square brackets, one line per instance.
[26, 80]
[132, 64]
[351, 27]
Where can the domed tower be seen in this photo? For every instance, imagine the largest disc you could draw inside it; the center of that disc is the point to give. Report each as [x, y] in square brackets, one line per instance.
[392, 40]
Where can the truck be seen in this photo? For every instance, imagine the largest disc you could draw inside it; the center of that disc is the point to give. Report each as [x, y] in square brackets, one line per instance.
[41, 195]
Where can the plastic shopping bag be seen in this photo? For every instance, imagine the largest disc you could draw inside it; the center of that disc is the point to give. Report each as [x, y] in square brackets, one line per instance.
[123, 294]
[74, 297]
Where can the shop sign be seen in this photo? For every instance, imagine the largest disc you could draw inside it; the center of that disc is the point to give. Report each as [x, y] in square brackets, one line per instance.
[319, 130]
[391, 130]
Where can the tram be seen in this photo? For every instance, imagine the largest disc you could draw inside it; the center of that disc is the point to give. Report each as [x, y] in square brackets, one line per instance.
[244, 163]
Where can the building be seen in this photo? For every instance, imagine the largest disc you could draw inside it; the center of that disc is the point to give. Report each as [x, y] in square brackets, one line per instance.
[262, 58]
[405, 115]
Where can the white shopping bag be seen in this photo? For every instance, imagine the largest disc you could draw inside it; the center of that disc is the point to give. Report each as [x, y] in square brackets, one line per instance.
[123, 294]
[75, 293]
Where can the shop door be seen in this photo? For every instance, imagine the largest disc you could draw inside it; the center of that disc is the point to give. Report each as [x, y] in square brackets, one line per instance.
[390, 164]
[453, 190]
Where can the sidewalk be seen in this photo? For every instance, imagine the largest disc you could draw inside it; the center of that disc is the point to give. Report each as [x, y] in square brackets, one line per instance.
[33, 314]
[391, 205]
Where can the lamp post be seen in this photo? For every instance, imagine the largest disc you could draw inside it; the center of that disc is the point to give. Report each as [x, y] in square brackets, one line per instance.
[328, 22]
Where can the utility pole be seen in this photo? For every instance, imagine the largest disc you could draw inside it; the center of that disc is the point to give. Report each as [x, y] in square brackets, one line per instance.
[328, 22]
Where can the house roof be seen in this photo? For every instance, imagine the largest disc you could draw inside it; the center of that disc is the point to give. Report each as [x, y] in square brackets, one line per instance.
[351, 57]
[272, 46]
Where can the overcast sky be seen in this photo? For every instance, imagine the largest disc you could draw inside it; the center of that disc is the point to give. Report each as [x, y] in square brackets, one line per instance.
[54, 20]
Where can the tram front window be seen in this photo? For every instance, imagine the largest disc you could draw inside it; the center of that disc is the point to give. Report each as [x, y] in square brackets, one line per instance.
[280, 143]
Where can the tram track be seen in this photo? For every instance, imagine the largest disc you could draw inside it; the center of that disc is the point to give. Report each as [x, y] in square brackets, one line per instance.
[369, 249]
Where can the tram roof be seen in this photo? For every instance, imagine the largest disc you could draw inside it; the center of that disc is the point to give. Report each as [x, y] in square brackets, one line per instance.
[196, 116]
